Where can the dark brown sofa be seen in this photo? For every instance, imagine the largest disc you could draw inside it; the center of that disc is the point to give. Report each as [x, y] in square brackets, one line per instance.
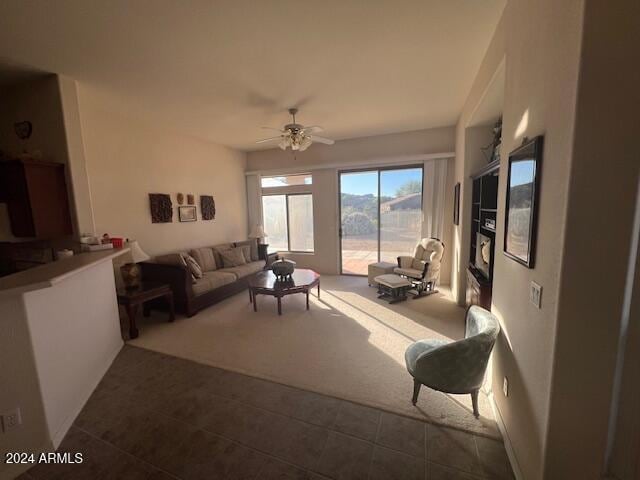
[217, 283]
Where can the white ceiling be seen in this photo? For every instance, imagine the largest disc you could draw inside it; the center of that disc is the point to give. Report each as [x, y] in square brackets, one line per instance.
[221, 69]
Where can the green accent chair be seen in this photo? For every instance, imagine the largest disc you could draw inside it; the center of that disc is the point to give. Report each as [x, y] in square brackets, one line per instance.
[455, 367]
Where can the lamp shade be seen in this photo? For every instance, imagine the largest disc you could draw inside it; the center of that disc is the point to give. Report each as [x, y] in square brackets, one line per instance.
[257, 232]
[137, 254]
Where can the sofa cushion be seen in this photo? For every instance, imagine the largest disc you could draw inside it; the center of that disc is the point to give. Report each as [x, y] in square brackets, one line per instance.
[253, 249]
[244, 270]
[216, 252]
[232, 257]
[409, 272]
[212, 280]
[418, 264]
[219, 279]
[204, 257]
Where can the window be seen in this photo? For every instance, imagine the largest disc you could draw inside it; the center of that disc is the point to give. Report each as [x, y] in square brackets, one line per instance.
[286, 180]
[288, 220]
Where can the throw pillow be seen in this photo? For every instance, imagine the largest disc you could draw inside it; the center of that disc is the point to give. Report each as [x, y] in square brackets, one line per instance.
[246, 252]
[253, 246]
[216, 252]
[233, 257]
[205, 258]
[194, 268]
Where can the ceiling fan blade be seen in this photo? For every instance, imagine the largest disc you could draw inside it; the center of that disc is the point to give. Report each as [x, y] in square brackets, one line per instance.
[313, 128]
[264, 140]
[326, 141]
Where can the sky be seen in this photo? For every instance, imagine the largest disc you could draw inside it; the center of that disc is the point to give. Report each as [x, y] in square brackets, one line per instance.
[522, 172]
[361, 183]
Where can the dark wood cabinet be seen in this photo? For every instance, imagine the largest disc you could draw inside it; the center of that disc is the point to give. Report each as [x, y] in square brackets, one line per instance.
[478, 289]
[36, 197]
[484, 194]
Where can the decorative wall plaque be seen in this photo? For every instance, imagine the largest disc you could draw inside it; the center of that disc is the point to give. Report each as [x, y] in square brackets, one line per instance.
[161, 208]
[180, 198]
[190, 199]
[207, 207]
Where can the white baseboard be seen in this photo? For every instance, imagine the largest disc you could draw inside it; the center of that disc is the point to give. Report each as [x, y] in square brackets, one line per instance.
[505, 436]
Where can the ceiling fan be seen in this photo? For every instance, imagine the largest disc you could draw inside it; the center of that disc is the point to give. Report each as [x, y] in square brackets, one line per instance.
[296, 136]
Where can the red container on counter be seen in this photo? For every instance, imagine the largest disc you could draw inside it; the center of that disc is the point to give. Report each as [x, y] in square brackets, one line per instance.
[117, 242]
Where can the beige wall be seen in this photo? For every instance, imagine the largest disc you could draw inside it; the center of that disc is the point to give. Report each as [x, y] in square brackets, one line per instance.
[54, 350]
[560, 359]
[600, 212]
[379, 150]
[357, 150]
[540, 43]
[20, 387]
[126, 159]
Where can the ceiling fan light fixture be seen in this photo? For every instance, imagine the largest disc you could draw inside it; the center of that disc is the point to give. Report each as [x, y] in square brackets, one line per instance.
[305, 143]
[297, 137]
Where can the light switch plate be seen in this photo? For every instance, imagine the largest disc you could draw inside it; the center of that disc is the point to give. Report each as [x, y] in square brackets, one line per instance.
[535, 295]
[505, 386]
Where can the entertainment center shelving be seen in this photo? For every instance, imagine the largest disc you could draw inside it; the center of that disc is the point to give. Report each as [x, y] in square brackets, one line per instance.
[483, 220]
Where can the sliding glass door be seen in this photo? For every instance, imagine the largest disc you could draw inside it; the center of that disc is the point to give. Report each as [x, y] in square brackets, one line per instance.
[359, 220]
[380, 214]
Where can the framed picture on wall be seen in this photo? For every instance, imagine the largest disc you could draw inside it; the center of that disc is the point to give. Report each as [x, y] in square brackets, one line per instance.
[187, 214]
[523, 190]
[456, 204]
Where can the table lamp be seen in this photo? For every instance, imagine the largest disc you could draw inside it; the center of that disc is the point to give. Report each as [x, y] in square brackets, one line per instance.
[131, 271]
[258, 232]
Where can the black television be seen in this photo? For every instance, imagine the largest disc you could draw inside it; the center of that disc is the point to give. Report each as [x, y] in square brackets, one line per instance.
[483, 254]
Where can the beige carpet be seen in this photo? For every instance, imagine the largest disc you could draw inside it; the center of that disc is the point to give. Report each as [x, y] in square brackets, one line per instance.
[348, 345]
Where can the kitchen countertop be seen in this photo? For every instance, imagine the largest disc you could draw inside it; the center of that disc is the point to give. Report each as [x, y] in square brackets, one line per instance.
[47, 275]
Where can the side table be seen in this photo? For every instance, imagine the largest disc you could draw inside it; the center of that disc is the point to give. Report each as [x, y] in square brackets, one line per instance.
[131, 299]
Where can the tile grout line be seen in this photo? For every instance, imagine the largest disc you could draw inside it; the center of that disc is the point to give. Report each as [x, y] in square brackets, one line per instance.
[375, 444]
[101, 440]
[355, 402]
[283, 415]
[233, 441]
[426, 453]
[331, 428]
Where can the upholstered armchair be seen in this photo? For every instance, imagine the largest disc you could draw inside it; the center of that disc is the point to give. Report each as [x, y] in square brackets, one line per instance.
[455, 367]
[423, 269]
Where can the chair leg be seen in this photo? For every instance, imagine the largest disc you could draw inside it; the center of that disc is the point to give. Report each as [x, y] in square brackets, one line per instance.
[474, 401]
[416, 391]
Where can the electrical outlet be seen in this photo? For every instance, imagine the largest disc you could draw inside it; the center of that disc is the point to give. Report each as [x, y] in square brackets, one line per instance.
[11, 420]
[535, 294]
[505, 387]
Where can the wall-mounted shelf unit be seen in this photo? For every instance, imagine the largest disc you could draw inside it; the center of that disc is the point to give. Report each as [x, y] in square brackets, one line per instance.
[484, 212]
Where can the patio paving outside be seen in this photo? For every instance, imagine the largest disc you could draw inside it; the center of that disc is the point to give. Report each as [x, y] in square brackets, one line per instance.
[359, 252]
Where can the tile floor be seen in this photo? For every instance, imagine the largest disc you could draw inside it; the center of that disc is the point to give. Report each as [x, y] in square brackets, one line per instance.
[158, 417]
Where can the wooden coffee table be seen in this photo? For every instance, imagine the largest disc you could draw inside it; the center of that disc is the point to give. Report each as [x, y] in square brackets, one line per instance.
[265, 283]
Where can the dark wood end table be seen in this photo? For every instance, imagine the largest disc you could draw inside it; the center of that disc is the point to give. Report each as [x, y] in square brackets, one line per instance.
[131, 299]
[266, 283]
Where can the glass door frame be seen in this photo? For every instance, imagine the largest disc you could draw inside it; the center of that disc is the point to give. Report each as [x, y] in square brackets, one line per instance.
[377, 170]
